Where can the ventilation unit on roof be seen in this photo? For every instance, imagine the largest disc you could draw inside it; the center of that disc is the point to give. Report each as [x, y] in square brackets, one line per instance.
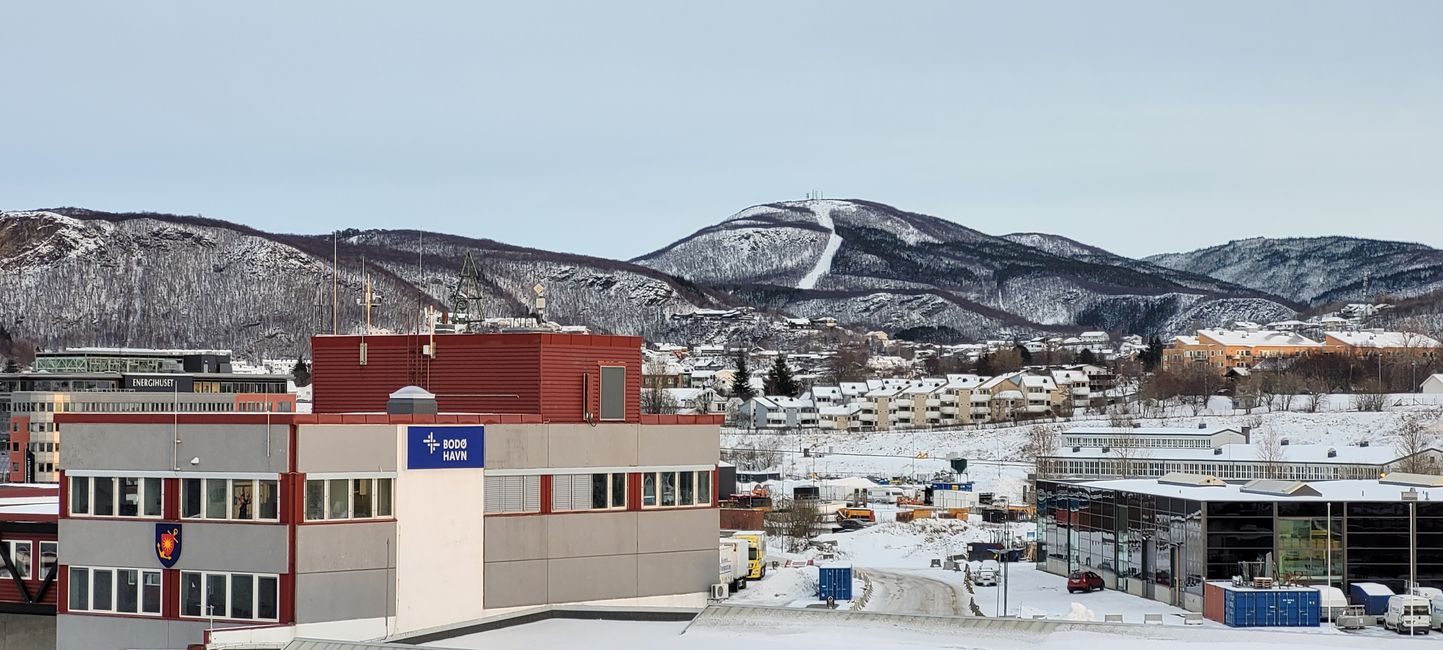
[1106, 449]
[1217, 451]
[1076, 449]
[1363, 443]
[1284, 442]
[1202, 425]
[1332, 453]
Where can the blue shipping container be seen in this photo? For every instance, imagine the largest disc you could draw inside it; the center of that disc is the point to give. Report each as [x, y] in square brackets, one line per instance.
[834, 580]
[1371, 595]
[1282, 607]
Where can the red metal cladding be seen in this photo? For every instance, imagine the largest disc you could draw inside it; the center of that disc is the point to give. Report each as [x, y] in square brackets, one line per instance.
[521, 373]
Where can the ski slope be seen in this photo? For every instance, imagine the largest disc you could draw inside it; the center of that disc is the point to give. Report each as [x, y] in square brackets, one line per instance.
[823, 210]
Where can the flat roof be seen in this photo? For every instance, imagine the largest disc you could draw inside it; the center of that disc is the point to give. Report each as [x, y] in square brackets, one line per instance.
[1345, 490]
[1147, 431]
[1247, 452]
[353, 418]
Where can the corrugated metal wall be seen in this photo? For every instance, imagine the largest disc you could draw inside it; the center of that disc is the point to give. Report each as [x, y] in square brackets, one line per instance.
[532, 373]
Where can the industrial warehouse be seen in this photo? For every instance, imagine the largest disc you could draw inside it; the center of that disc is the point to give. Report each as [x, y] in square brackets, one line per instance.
[439, 480]
[1164, 538]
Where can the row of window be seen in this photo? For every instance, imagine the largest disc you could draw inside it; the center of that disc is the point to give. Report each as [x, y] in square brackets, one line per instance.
[25, 561]
[598, 491]
[348, 498]
[1223, 470]
[229, 499]
[110, 496]
[237, 596]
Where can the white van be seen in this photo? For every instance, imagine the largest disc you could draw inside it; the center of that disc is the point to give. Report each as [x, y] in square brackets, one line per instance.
[986, 574]
[1435, 613]
[1408, 614]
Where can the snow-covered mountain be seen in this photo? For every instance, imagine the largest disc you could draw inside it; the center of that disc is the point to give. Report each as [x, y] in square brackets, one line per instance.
[76, 277]
[883, 267]
[1317, 270]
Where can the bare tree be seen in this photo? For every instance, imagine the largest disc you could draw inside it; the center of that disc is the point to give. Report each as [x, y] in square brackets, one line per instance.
[794, 521]
[1271, 453]
[657, 400]
[755, 456]
[1042, 441]
[1312, 393]
[1372, 395]
[1126, 451]
[1118, 417]
[1416, 434]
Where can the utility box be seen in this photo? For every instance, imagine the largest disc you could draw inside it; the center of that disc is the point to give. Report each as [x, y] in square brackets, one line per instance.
[834, 581]
[1371, 595]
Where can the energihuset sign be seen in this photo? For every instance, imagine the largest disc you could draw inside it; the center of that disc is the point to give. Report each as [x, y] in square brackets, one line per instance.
[445, 447]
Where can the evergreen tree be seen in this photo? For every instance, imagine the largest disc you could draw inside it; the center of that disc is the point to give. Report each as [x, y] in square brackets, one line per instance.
[742, 379]
[1025, 354]
[780, 380]
[301, 373]
[1152, 356]
[1086, 356]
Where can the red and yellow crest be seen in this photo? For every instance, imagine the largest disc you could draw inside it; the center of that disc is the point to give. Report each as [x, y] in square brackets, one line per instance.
[167, 544]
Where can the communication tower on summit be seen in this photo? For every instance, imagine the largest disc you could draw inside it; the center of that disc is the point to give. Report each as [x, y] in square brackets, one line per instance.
[468, 296]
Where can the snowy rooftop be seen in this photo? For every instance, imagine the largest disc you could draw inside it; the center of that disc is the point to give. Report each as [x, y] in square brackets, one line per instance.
[1146, 431]
[1374, 339]
[1259, 337]
[1350, 490]
[1290, 454]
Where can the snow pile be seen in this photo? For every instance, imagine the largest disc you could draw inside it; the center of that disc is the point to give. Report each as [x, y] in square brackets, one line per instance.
[1080, 612]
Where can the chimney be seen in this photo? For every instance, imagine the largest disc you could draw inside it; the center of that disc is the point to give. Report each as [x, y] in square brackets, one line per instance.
[411, 400]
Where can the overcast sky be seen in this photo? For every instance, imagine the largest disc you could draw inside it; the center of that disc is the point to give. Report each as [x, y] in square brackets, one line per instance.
[613, 128]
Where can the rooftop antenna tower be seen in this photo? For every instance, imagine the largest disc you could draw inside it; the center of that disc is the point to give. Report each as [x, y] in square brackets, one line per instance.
[468, 296]
[335, 280]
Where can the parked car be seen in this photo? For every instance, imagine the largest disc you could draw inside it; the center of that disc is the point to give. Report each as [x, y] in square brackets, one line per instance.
[1084, 581]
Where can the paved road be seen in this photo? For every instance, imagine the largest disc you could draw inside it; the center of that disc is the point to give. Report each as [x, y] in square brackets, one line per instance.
[906, 592]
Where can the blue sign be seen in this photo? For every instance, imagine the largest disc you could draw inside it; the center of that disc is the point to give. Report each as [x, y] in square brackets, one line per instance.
[445, 447]
[167, 544]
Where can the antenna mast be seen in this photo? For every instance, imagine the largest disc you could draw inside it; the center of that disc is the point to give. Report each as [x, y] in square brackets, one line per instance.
[335, 281]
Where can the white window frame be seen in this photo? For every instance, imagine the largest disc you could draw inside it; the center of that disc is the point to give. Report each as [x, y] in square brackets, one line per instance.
[691, 475]
[117, 496]
[495, 486]
[115, 586]
[350, 479]
[229, 602]
[29, 567]
[229, 481]
[560, 501]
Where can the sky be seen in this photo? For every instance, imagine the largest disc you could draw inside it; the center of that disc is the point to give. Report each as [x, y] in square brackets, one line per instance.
[614, 128]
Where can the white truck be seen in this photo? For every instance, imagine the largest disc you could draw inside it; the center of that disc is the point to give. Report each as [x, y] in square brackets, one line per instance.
[734, 564]
[1408, 614]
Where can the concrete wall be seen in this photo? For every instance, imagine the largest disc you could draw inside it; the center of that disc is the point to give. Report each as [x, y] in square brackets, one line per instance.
[235, 547]
[516, 446]
[103, 632]
[575, 557]
[345, 571]
[148, 447]
[26, 631]
[346, 448]
[439, 542]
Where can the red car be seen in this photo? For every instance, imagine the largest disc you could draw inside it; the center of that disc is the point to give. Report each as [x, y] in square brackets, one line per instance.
[1084, 581]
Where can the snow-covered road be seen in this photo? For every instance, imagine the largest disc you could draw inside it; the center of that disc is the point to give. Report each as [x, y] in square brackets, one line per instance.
[823, 210]
[908, 592]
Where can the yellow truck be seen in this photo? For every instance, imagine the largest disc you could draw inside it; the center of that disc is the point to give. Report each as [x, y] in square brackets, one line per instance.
[756, 552]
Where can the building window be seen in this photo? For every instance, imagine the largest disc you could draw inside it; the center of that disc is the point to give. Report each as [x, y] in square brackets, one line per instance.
[613, 392]
[49, 555]
[119, 591]
[20, 557]
[239, 499]
[236, 596]
[508, 494]
[109, 496]
[571, 492]
[358, 497]
[678, 489]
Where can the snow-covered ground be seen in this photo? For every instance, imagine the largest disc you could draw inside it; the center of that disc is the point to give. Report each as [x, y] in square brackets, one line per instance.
[996, 459]
[834, 242]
